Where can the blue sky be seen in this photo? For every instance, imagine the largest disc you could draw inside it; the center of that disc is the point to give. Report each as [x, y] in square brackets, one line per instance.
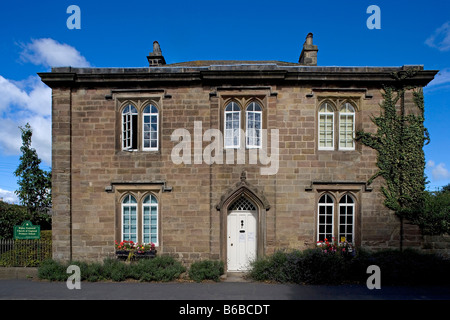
[34, 36]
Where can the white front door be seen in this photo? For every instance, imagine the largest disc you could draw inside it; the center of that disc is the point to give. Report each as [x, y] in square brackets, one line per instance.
[241, 239]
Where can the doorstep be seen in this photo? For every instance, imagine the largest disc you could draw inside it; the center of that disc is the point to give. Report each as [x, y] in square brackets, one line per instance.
[234, 277]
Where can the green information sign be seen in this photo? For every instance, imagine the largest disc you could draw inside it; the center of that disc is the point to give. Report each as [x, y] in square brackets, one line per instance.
[27, 231]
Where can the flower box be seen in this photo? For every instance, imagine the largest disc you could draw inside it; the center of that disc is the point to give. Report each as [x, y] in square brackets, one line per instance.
[128, 250]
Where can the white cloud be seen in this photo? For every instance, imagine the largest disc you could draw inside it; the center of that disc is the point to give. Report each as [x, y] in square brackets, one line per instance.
[29, 100]
[440, 39]
[8, 196]
[18, 107]
[438, 172]
[51, 53]
[442, 78]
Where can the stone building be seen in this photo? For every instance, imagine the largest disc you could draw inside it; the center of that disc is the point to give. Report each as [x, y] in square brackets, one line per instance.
[225, 160]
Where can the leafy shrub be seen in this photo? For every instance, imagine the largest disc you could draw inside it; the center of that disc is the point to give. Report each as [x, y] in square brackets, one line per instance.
[10, 216]
[161, 268]
[206, 270]
[313, 266]
[52, 270]
[271, 268]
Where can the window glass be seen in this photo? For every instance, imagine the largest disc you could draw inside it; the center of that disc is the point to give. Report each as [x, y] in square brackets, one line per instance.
[326, 127]
[129, 128]
[346, 218]
[129, 219]
[150, 128]
[232, 125]
[253, 126]
[325, 219]
[150, 219]
[347, 127]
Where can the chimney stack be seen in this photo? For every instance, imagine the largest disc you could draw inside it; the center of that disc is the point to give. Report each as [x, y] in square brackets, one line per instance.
[156, 58]
[308, 57]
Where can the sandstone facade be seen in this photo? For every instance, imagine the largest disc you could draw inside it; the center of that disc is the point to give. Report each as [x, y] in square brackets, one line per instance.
[93, 172]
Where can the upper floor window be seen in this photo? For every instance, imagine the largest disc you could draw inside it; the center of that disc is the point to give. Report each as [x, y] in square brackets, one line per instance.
[343, 124]
[140, 128]
[252, 119]
[326, 127]
[150, 128]
[232, 125]
[347, 127]
[129, 128]
[253, 125]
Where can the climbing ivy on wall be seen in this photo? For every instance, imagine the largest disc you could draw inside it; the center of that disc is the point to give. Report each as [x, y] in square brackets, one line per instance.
[399, 141]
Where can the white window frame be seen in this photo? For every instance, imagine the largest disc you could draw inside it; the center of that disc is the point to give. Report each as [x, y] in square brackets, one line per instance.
[347, 114]
[326, 205]
[326, 114]
[150, 114]
[252, 133]
[129, 205]
[233, 130]
[150, 205]
[346, 205]
[128, 131]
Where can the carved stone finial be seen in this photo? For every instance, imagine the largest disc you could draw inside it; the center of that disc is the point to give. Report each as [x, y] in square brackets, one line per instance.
[243, 175]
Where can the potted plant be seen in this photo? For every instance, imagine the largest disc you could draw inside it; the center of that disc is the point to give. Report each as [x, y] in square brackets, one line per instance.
[124, 249]
[343, 248]
[130, 250]
[145, 250]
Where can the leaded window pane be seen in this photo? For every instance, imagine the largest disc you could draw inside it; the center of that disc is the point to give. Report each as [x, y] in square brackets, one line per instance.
[232, 126]
[129, 218]
[253, 126]
[150, 128]
[242, 204]
[347, 127]
[325, 219]
[150, 219]
[346, 218]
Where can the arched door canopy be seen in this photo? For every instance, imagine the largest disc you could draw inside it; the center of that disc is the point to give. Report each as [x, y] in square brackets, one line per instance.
[243, 188]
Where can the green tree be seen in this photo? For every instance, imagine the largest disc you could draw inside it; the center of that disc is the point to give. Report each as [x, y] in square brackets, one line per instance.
[399, 141]
[435, 219]
[10, 216]
[34, 183]
[446, 188]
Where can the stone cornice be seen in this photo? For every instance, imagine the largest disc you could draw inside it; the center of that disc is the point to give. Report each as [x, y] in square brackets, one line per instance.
[245, 73]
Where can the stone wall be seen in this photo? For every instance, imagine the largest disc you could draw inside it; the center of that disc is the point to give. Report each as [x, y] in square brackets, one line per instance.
[91, 172]
[88, 158]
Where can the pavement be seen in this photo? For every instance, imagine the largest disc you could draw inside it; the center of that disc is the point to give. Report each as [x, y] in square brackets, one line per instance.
[232, 288]
[233, 297]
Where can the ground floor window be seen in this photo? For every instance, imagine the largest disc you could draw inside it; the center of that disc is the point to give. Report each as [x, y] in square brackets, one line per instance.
[129, 218]
[329, 219]
[139, 219]
[150, 219]
[346, 218]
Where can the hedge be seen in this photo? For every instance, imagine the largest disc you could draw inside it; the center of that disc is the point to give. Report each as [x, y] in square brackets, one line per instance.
[313, 266]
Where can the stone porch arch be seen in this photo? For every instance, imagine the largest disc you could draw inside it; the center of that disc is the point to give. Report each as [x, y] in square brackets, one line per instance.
[256, 196]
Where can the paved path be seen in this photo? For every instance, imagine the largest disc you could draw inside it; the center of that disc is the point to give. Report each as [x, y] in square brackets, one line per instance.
[44, 290]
